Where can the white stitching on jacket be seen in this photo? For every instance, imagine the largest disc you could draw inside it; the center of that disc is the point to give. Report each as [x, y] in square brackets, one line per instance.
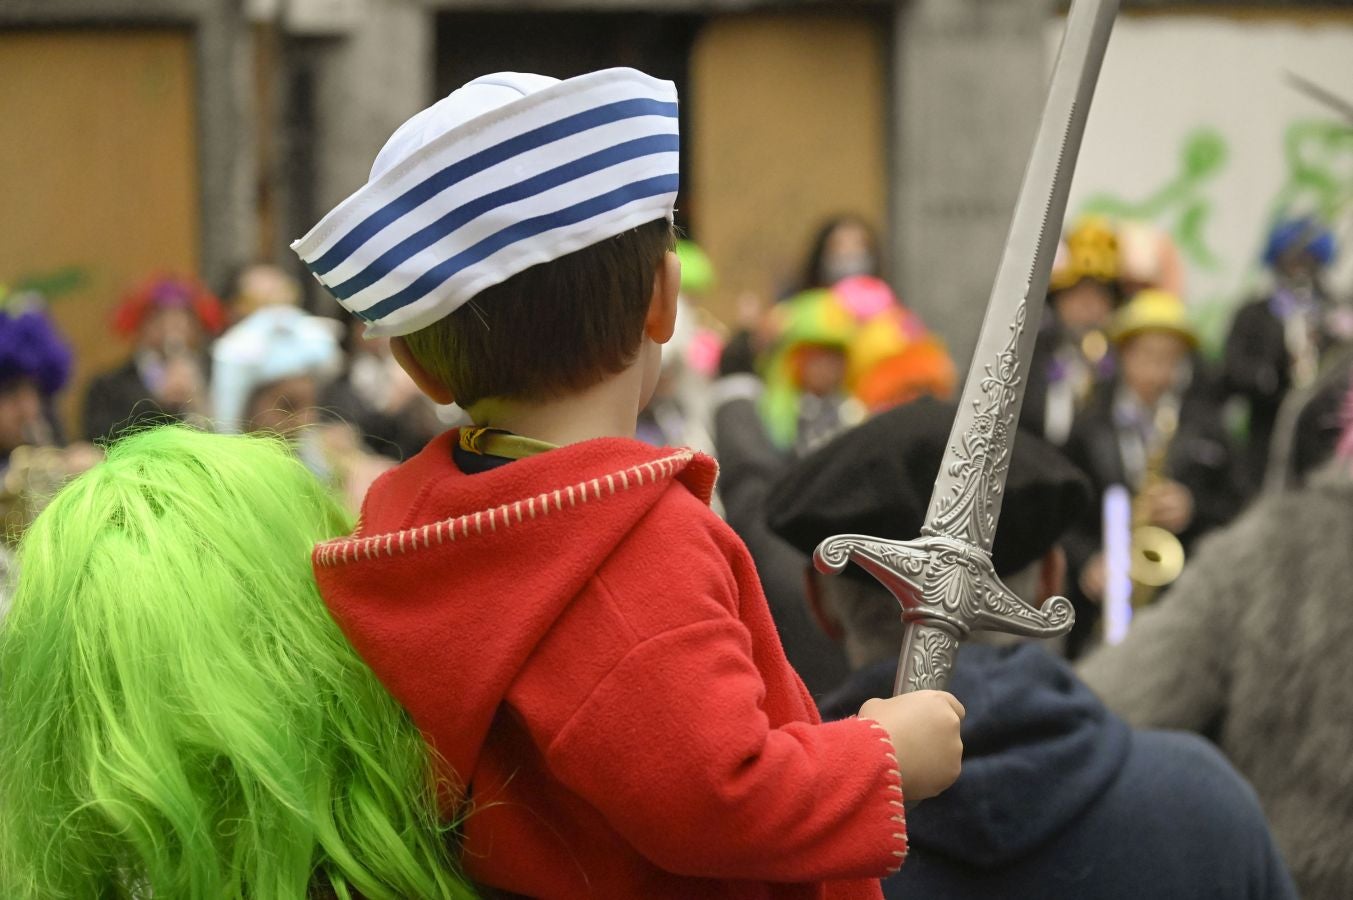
[350, 549]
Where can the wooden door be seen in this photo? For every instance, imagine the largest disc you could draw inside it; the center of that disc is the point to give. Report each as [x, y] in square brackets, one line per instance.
[98, 172]
[789, 129]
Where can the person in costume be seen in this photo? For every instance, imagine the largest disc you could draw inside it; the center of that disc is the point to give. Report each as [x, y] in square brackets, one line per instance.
[1251, 649]
[1155, 429]
[35, 364]
[270, 371]
[168, 319]
[893, 358]
[1071, 354]
[583, 642]
[181, 717]
[807, 399]
[1277, 342]
[270, 368]
[1058, 796]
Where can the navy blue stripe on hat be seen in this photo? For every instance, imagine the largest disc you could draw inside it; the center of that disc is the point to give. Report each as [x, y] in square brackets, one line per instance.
[527, 228]
[463, 215]
[478, 162]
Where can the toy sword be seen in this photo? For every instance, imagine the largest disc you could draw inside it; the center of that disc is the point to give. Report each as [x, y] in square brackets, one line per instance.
[944, 579]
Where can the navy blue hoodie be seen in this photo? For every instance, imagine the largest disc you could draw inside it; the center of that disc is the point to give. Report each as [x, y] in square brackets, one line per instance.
[1060, 798]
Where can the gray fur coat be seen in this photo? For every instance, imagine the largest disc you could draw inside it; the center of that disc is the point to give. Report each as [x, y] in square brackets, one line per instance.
[1254, 645]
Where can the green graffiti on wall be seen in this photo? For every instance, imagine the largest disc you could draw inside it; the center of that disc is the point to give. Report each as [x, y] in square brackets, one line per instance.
[1181, 205]
[1319, 182]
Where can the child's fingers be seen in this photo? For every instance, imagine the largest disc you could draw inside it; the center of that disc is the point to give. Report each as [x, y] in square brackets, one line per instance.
[954, 705]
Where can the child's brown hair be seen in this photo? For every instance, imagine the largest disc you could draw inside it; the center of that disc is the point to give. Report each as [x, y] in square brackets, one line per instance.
[555, 328]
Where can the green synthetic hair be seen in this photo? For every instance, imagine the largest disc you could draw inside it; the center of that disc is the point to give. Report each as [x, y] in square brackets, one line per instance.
[179, 716]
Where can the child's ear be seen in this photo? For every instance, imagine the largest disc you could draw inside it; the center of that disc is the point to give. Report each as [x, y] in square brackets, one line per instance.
[660, 324]
[428, 383]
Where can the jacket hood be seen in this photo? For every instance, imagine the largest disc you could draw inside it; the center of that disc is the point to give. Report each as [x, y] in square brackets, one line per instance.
[1038, 749]
[451, 580]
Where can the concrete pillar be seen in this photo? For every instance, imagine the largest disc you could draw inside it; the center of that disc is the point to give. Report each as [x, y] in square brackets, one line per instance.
[369, 81]
[227, 141]
[970, 80]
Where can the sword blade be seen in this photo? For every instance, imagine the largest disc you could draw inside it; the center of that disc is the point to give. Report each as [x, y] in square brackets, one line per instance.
[960, 590]
[966, 502]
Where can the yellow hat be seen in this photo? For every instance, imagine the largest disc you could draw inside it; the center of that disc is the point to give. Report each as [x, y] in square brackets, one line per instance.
[1090, 250]
[1153, 310]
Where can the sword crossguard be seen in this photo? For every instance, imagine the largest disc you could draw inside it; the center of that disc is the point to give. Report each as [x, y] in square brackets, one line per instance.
[947, 588]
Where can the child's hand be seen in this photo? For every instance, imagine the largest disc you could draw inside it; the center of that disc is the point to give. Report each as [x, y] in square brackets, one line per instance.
[924, 729]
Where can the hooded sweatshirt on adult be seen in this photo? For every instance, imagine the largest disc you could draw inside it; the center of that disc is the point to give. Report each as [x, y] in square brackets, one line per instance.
[1060, 798]
[587, 648]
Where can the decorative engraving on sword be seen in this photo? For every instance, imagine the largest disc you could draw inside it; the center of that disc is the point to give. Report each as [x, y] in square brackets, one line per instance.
[944, 579]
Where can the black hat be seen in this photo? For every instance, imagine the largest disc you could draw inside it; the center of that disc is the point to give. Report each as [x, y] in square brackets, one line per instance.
[876, 479]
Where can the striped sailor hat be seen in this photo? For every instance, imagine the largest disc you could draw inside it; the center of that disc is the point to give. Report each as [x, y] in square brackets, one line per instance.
[507, 172]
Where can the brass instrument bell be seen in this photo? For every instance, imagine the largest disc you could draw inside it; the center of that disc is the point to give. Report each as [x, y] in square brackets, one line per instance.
[1157, 556]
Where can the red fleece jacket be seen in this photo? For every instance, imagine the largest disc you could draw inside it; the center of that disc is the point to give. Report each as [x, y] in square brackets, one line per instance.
[587, 647]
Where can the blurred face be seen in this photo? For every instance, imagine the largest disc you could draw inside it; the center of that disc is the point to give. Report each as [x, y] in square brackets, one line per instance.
[284, 406]
[849, 250]
[1083, 307]
[171, 330]
[1151, 362]
[822, 370]
[20, 414]
[1298, 266]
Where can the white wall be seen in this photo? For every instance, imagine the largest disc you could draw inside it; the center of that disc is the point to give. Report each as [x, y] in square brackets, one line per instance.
[1218, 86]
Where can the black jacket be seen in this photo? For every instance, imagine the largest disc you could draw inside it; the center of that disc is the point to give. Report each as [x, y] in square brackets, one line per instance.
[117, 402]
[1042, 367]
[748, 465]
[1257, 367]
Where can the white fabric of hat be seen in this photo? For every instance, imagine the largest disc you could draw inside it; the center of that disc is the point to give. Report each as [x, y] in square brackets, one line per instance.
[507, 172]
[270, 345]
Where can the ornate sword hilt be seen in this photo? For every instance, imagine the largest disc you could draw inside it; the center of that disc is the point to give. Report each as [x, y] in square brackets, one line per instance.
[947, 589]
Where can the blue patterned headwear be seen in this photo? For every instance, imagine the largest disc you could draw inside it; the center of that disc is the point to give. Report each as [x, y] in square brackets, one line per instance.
[1306, 234]
[509, 171]
[270, 345]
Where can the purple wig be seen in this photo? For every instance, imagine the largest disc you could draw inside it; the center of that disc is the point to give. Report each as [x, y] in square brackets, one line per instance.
[31, 348]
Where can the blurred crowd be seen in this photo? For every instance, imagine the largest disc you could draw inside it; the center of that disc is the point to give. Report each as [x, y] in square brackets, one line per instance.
[1175, 439]
[256, 362]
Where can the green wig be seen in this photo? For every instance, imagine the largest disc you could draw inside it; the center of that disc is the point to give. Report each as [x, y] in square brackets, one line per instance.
[815, 317]
[179, 716]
